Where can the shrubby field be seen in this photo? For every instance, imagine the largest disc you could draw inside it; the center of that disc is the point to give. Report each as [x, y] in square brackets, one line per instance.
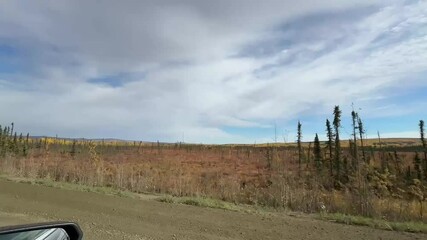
[379, 178]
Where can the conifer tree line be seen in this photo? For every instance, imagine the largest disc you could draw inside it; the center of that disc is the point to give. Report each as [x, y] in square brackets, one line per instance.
[11, 143]
[331, 160]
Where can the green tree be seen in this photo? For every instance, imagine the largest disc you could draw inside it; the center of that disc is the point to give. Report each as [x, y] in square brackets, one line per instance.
[329, 144]
[299, 138]
[317, 152]
[337, 126]
[14, 145]
[11, 131]
[361, 133]
[355, 154]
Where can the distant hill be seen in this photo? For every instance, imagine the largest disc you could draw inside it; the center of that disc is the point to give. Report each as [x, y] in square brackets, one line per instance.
[385, 142]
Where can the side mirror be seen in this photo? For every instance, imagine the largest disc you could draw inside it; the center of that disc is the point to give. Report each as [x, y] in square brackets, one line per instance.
[42, 231]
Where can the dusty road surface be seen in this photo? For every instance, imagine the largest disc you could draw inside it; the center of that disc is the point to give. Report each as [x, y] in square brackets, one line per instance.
[110, 217]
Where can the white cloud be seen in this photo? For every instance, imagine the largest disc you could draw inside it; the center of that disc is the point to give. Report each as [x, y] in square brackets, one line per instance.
[195, 80]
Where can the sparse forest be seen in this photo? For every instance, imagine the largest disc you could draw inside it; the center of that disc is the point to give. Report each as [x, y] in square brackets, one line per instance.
[381, 178]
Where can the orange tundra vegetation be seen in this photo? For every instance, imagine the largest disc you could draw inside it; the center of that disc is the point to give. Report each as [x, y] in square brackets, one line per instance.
[389, 184]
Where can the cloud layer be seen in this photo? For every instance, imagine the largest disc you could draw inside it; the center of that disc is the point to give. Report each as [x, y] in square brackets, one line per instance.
[161, 70]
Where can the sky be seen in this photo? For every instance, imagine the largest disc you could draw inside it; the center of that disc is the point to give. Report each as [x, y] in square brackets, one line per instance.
[241, 71]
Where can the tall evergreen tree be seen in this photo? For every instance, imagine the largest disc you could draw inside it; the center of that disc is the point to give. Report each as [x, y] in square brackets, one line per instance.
[11, 132]
[337, 126]
[361, 132]
[299, 138]
[355, 154]
[15, 143]
[330, 143]
[317, 152]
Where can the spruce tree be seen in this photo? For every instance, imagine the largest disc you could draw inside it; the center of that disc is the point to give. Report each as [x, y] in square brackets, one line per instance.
[317, 152]
[11, 131]
[355, 154]
[13, 146]
[330, 143]
[299, 138]
[361, 132]
[27, 138]
[337, 125]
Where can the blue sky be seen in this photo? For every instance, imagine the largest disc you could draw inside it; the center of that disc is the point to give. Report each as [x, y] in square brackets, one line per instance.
[212, 71]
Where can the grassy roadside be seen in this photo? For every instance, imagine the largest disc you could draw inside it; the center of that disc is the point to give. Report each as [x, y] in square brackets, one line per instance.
[204, 202]
[193, 201]
[71, 186]
[415, 227]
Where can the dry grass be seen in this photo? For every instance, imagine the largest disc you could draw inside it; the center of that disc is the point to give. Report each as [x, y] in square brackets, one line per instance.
[71, 186]
[197, 174]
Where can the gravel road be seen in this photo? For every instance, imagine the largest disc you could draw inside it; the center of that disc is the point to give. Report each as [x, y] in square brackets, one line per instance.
[104, 217]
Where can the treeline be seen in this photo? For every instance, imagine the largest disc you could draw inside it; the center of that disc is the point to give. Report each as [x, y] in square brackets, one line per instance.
[337, 164]
[340, 167]
[11, 142]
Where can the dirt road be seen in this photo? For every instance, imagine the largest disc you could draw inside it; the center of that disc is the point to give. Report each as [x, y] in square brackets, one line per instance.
[110, 217]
